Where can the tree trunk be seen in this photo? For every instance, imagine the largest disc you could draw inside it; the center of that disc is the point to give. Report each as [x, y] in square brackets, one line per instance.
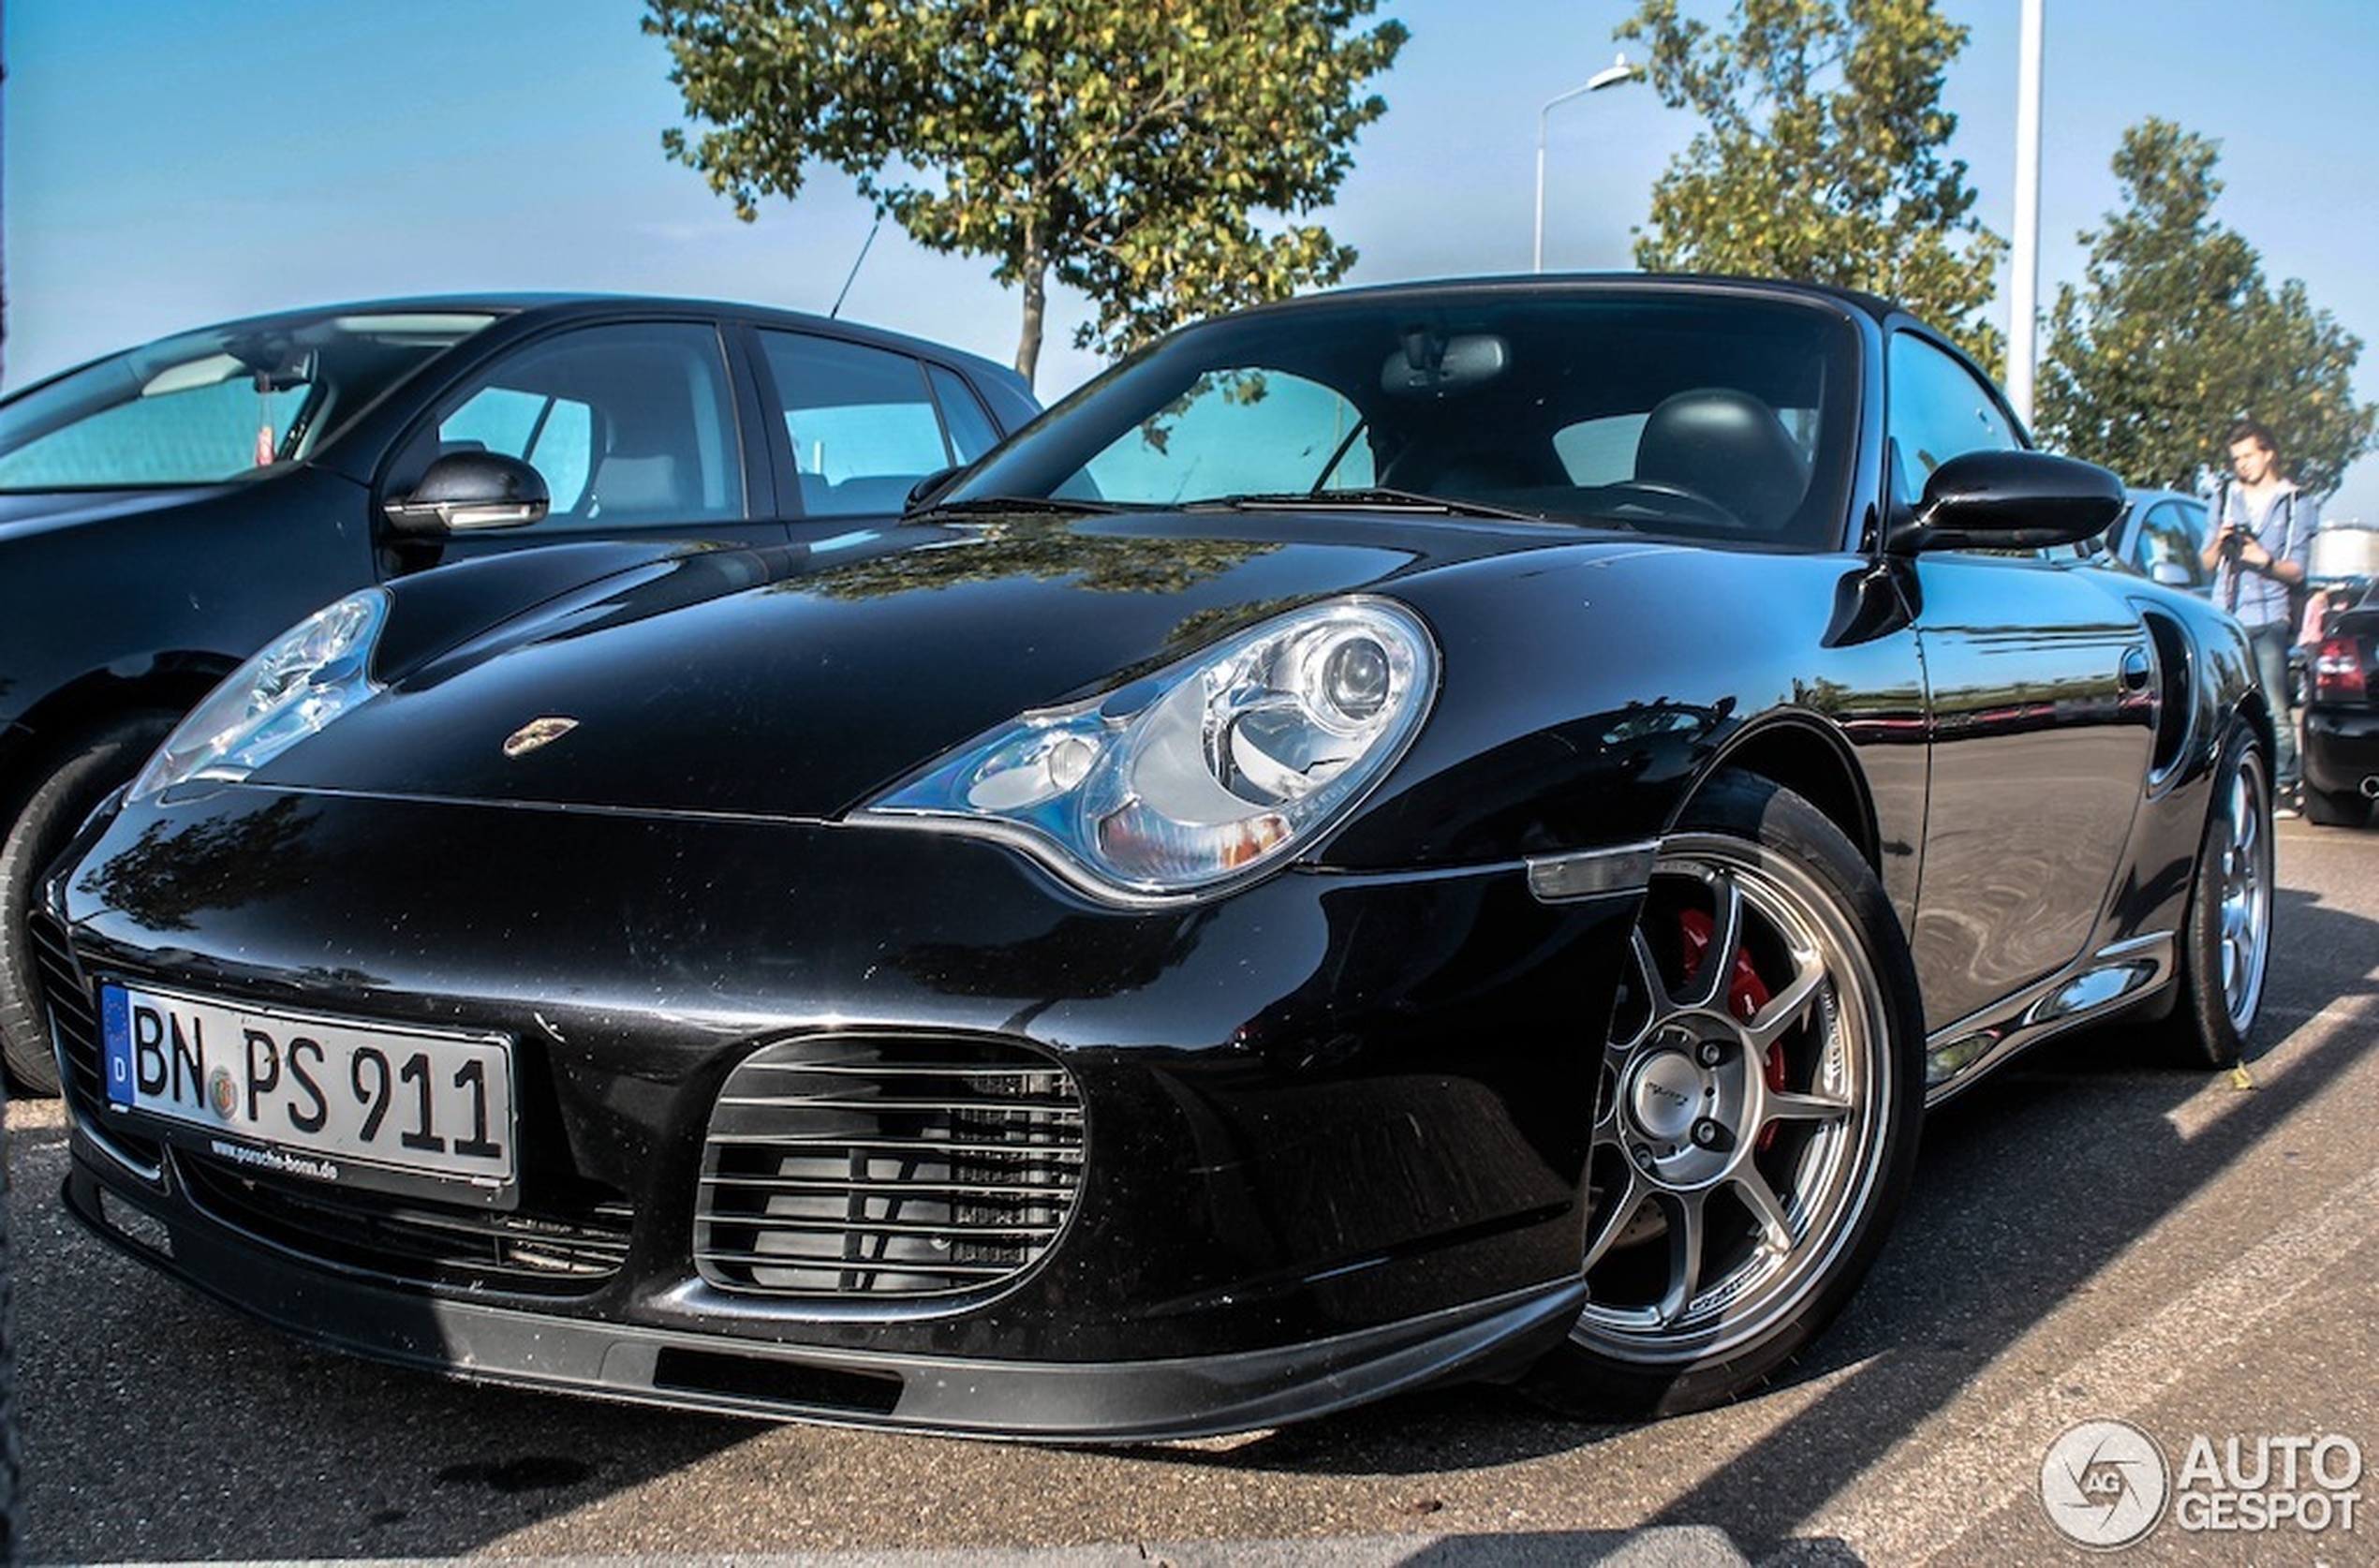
[1035, 272]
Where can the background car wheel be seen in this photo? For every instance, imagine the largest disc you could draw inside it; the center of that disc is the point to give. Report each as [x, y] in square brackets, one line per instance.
[1759, 1115]
[2335, 807]
[2226, 941]
[64, 792]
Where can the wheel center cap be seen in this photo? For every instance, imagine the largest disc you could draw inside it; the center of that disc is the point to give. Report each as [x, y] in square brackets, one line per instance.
[1665, 1096]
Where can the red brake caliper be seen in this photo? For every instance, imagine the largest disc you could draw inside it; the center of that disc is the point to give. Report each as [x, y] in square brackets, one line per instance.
[1746, 994]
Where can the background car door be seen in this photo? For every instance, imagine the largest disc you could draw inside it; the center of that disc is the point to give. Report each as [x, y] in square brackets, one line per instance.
[632, 424]
[2041, 692]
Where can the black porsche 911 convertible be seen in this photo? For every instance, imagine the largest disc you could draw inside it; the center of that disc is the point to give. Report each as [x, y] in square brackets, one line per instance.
[1440, 832]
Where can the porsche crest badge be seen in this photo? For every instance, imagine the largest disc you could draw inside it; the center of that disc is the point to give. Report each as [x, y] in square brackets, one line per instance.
[536, 733]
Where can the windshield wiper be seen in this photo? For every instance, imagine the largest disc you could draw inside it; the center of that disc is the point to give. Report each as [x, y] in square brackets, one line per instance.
[1376, 498]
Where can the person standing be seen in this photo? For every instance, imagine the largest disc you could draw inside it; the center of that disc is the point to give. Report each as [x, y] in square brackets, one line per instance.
[2258, 550]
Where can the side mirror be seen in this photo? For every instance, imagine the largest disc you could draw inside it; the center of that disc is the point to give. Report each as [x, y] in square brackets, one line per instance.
[2169, 574]
[2008, 500]
[466, 491]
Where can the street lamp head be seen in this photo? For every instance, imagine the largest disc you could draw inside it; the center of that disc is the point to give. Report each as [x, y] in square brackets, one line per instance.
[1613, 74]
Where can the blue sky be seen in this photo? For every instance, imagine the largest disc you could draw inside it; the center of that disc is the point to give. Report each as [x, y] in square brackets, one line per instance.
[173, 162]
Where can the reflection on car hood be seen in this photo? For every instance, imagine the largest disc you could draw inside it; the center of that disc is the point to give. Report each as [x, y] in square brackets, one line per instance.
[800, 684]
[32, 511]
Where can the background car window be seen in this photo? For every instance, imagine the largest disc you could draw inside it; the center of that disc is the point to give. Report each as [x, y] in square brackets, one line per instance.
[1938, 409]
[2169, 539]
[863, 425]
[213, 406]
[553, 434]
[192, 434]
[971, 432]
[1239, 432]
[630, 426]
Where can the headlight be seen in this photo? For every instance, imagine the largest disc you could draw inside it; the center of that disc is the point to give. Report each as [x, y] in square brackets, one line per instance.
[1202, 774]
[309, 675]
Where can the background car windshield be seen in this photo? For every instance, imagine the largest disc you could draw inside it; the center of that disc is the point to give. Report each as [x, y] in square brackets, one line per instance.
[1710, 417]
[213, 405]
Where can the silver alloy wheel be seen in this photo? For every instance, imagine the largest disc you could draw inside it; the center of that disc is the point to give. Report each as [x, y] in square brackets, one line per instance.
[2245, 868]
[1745, 1109]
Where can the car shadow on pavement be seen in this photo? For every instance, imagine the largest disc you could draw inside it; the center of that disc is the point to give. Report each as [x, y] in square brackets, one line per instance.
[2028, 1187]
[124, 1377]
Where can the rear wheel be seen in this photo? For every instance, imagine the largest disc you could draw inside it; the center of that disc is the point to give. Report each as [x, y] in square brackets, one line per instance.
[1759, 1116]
[64, 791]
[2225, 941]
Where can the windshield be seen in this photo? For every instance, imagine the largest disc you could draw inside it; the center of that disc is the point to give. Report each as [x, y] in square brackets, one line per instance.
[1703, 415]
[213, 406]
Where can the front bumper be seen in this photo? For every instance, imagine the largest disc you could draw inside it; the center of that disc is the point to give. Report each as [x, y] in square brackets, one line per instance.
[1335, 1126]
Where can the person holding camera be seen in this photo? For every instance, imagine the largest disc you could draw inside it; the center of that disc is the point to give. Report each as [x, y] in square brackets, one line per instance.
[2258, 552]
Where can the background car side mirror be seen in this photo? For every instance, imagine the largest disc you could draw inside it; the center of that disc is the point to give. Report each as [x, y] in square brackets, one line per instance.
[466, 491]
[926, 489]
[2008, 500]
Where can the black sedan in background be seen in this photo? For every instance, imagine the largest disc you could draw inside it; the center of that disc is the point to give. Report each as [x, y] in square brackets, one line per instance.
[167, 510]
[2342, 711]
[1451, 831]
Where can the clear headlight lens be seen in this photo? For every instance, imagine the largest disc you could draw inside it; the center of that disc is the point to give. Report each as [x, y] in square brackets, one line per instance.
[303, 679]
[1204, 773]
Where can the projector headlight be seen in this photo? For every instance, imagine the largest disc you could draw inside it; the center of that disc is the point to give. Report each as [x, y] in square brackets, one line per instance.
[1203, 775]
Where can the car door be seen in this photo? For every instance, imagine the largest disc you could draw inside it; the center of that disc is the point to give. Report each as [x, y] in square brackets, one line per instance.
[2041, 696]
[633, 425]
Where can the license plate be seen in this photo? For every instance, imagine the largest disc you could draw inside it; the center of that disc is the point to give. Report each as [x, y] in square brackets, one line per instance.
[320, 1099]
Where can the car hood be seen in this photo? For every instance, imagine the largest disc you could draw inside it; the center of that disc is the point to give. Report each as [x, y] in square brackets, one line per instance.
[801, 684]
[34, 510]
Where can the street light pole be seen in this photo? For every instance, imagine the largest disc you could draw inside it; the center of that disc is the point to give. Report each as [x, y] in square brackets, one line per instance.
[1609, 76]
[2023, 262]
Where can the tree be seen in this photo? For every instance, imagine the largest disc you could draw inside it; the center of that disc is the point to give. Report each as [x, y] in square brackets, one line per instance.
[1820, 155]
[1147, 152]
[2174, 334]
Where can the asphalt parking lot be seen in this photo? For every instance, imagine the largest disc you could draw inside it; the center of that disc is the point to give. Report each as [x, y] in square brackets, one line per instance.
[2093, 1236]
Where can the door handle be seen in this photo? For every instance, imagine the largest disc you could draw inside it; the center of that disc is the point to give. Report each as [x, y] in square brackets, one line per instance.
[2136, 668]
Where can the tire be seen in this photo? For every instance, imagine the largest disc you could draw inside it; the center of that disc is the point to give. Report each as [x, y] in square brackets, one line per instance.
[64, 789]
[2225, 938]
[2335, 807]
[1759, 1115]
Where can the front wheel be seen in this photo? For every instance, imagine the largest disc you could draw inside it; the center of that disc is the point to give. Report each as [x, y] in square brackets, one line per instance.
[1759, 1113]
[2226, 940]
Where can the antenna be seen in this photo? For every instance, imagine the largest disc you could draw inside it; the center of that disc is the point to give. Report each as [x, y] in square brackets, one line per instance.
[854, 269]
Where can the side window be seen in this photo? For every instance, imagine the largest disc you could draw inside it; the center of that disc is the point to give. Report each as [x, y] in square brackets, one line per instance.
[971, 432]
[630, 426]
[863, 425]
[1600, 450]
[1937, 409]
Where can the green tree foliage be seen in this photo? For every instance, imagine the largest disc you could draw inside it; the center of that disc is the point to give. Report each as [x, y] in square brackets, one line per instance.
[1153, 154]
[2174, 334]
[1821, 156]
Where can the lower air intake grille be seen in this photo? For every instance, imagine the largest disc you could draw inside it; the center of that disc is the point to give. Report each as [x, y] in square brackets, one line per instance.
[886, 1167]
[557, 1249]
